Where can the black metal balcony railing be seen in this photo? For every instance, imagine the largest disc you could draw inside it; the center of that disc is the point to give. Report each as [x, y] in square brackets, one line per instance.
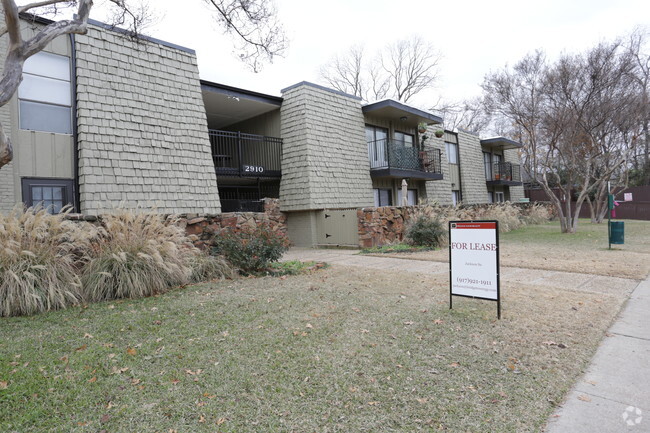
[502, 171]
[385, 154]
[248, 155]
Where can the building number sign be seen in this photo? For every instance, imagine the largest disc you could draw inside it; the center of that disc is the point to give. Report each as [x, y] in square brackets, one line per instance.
[253, 169]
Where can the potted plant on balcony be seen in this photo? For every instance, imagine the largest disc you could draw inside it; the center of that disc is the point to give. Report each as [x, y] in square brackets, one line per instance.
[439, 133]
[422, 127]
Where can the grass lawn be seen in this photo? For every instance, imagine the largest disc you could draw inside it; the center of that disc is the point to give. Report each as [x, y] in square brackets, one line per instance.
[545, 247]
[337, 350]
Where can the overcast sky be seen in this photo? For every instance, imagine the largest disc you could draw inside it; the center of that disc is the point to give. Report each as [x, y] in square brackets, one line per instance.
[474, 37]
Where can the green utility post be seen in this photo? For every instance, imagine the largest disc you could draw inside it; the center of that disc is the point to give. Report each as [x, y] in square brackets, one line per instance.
[610, 206]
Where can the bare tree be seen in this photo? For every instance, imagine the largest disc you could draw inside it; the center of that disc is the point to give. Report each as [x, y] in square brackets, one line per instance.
[411, 66]
[400, 71]
[637, 46]
[575, 118]
[346, 72]
[255, 24]
[253, 21]
[469, 115]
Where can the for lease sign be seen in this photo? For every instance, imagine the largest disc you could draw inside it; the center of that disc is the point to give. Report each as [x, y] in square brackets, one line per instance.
[473, 259]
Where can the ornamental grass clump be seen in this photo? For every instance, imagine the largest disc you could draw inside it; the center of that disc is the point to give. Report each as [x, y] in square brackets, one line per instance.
[40, 255]
[251, 250]
[140, 254]
[206, 267]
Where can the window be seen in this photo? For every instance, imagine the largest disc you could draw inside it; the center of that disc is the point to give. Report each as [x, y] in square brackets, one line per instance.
[44, 95]
[377, 139]
[455, 197]
[375, 133]
[452, 152]
[487, 161]
[404, 139]
[490, 198]
[383, 197]
[499, 197]
[52, 194]
[411, 197]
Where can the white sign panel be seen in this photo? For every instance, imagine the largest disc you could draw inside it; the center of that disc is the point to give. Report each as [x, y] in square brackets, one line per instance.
[627, 196]
[473, 257]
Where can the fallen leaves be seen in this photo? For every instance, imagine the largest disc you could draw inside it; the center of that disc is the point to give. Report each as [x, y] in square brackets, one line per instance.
[4, 384]
[93, 380]
[81, 348]
[116, 370]
[585, 398]
[131, 351]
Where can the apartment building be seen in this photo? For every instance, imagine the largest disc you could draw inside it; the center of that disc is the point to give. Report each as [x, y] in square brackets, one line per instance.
[102, 121]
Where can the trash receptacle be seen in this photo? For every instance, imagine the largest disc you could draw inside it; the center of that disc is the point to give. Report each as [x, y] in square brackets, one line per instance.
[617, 232]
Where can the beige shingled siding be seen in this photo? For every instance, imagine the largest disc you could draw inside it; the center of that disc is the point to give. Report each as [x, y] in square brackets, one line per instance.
[143, 136]
[325, 156]
[439, 191]
[512, 155]
[472, 170]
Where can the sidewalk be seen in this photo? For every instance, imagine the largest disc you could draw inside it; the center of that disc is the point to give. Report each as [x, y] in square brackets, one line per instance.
[614, 394]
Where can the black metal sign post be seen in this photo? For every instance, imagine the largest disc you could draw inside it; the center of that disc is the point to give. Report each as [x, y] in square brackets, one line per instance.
[474, 270]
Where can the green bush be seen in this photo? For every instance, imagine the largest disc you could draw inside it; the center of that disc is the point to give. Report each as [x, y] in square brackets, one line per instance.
[39, 261]
[426, 231]
[140, 254]
[251, 250]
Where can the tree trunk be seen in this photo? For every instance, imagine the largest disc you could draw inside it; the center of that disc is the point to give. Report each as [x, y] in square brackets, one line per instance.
[592, 211]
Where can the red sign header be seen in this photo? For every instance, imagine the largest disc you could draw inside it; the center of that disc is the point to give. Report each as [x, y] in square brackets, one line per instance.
[476, 225]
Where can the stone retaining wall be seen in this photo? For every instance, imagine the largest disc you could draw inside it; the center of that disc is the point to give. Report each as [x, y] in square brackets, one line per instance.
[382, 225]
[202, 228]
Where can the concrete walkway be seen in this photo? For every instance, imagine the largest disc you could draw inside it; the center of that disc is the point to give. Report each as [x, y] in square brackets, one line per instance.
[614, 394]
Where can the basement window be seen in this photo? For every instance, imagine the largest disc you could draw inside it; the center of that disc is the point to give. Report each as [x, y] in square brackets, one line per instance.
[383, 197]
[51, 194]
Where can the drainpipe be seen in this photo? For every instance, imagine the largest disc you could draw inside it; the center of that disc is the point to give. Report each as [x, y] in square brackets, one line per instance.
[75, 138]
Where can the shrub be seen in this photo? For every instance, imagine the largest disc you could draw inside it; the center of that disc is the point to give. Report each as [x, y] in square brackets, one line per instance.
[39, 261]
[206, 267]
[140, 254]
[425, 231]
[251, 250]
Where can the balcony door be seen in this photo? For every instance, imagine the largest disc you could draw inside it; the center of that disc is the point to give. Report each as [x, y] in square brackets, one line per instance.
[377, 139]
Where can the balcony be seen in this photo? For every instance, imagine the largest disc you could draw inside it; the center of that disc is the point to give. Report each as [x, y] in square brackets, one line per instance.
[394, 160]
[503, 173]
[246, 155]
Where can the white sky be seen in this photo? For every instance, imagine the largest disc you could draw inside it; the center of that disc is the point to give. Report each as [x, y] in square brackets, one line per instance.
[473, 36]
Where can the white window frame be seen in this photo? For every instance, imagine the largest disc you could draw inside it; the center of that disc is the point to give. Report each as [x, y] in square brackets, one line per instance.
[44, 71]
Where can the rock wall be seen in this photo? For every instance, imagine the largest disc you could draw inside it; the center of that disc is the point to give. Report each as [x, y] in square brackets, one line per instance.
[383, 225]
[202, 228]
